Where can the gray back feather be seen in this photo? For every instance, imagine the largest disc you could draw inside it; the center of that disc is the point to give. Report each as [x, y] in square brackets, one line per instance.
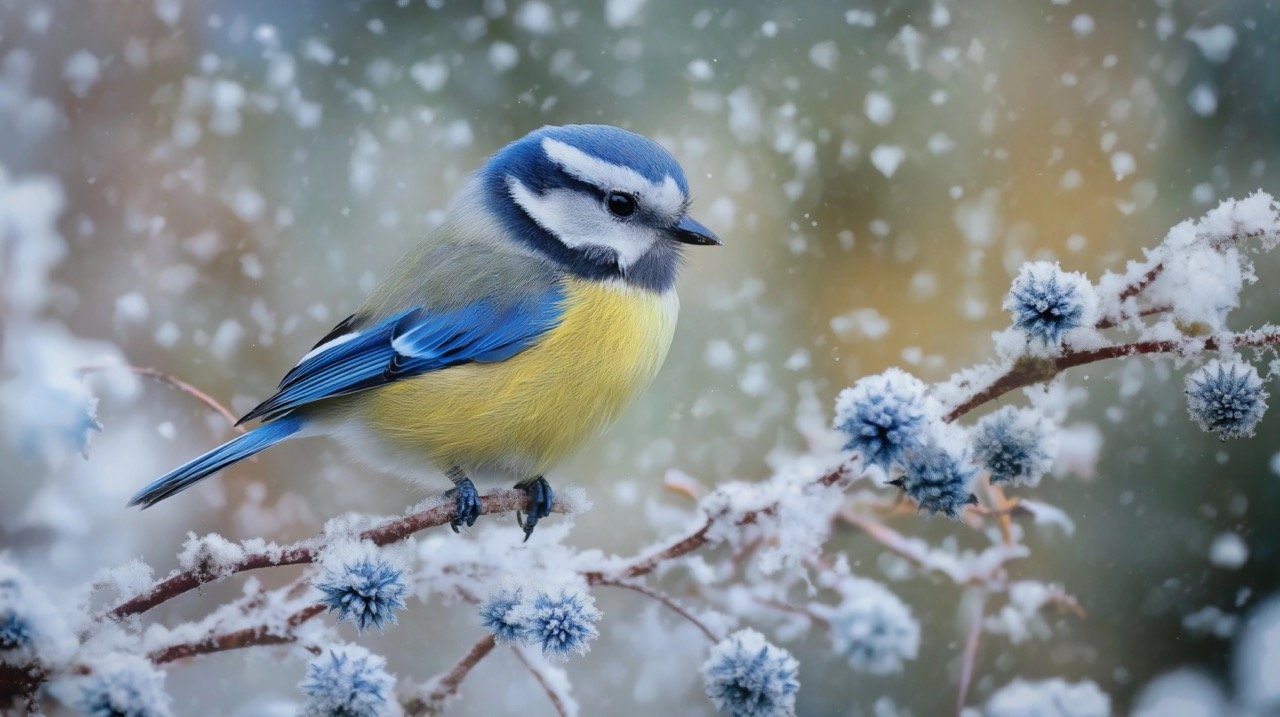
[466, 259]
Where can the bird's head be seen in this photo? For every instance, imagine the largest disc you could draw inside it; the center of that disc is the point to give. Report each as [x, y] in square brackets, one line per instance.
[599, 200]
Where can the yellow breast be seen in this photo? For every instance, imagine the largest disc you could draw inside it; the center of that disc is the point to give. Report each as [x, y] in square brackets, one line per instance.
[529, 412]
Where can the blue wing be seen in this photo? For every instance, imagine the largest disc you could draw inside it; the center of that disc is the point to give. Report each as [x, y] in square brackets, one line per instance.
[358, 357]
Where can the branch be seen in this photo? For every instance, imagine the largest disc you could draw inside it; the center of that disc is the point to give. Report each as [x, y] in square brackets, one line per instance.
[248, 637]
[392, 531]
[1030, 371]
[970, 655]
[666, 600]
[916, 552]
[20, 682]
[183, 386]
[1111, 323]
[650, 559]
[538, 670]
[1141, 284]
[442, 687]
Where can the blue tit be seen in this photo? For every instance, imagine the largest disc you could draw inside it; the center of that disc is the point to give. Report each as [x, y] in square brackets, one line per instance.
[514, 333]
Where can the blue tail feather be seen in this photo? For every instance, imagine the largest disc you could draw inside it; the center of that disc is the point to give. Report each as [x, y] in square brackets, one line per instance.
[232, 451]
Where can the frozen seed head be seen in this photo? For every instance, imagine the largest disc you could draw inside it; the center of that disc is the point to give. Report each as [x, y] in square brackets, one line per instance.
[1226, 397]
[884, 416]
[746, 676]
[938, 480]
[1047, 302]
[32, 628]
[1013, 445]
[348, 681]
[121, 685]
[872, 628]
[500, 616]
[1049, 698]
[364, 592]
[15, 630]
[561, 623]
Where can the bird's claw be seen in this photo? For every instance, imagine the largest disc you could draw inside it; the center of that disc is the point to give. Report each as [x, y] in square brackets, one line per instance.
[541, 500]
[466, 504]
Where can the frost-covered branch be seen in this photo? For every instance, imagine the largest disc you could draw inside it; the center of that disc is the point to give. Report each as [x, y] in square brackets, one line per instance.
[215, 562]
[435, 693]
[551, 679]
[1031, 371]
[183, 386]
[255, 636]
[969, 657]
[666, 600]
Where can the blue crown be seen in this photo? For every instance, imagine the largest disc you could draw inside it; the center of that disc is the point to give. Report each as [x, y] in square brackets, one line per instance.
[526, 160]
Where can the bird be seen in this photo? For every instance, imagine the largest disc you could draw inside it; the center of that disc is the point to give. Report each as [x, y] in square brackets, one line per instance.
[511, 335]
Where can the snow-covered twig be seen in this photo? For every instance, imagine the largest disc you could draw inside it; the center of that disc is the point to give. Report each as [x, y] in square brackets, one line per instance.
[392, 531]
[247, 637]
[1030, 371]
[551, 679]
[436, 692]
[970, 656]
[667, 601]
[183, 386]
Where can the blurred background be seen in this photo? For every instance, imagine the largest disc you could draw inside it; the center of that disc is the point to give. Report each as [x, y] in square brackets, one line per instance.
[226, 180]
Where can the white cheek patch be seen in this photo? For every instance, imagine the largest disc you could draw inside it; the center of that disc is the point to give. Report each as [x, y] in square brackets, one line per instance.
[664, 196]
[579, 222]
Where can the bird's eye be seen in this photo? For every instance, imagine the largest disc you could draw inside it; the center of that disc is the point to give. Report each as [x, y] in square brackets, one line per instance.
[620, 204]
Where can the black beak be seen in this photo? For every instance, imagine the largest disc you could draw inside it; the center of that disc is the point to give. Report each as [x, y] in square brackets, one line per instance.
[688, 231]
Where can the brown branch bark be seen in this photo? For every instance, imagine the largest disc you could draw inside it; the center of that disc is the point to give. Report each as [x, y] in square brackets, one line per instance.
[1141, 285]
[19, 683]
[392, 531]
[667, 601]
[183, 386]
[541, 678]
[248, 637]
[969, 658]
[1111, 323]
[1030, 372]
[446, 685]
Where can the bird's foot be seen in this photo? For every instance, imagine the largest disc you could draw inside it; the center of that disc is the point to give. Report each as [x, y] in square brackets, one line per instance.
[466, 502]
[540, 503]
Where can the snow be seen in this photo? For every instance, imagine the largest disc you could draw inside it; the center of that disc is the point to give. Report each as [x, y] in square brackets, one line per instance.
[700, 70]
[1228, 551]
[860, 18]
[503, 56]
[878, 108]
[1122, 165]
[131, 308]
[47, 635]
[1257, 657]
[886, 158]
[536, 17]
[865, 323]
[1083, 25]
[1183, 692]
[81, 72]
[1215, 43]
[1203, 99]
[980, 220]
[430, 75]
[623, 13]
[169, 11]
[825, 55]
[1049, 698]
